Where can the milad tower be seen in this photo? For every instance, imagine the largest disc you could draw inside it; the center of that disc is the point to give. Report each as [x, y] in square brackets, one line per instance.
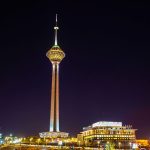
[55, 55]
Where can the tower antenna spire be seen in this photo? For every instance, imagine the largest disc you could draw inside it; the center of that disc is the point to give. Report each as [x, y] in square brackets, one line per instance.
[56, 28]
[56, 19]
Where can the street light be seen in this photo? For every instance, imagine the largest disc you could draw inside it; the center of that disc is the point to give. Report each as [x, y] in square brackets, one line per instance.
[20, 142]
[79, 143]
[46, 141]
[30, 140]
[107, 145]
[130, 144]
[119, 144]
[98, 142]
[65, 142]
[60, 143]
[38, 140]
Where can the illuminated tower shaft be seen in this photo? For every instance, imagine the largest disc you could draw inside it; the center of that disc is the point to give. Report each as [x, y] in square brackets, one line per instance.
[55, 55]
[54, 115]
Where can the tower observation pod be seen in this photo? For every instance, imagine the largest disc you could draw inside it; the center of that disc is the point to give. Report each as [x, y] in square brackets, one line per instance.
[55, 55]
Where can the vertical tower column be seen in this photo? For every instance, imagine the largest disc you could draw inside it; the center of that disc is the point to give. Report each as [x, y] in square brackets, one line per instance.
[57, 99]
[54, 114]
[55, 55]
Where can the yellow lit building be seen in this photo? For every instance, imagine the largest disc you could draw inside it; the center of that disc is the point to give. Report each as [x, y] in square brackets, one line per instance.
[143, 143]
[106, 133]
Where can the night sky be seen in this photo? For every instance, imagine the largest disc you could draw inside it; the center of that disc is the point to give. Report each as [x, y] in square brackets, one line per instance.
[105, 75]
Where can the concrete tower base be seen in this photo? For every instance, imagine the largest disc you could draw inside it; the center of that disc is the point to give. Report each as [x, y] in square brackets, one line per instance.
[54, 134]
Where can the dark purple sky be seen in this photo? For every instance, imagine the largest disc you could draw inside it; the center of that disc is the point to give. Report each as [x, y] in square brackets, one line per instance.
[104, 76]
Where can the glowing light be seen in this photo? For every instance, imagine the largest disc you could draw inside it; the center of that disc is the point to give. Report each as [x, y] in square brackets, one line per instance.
[55, 54]
[31, 139]
[1, 141]
[53, 134]
[134, 146]
[60, 143]
[106, 123]
[17, 141]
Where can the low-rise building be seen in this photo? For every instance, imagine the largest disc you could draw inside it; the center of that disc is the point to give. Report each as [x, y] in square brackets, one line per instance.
[143, 143]
[106, 133]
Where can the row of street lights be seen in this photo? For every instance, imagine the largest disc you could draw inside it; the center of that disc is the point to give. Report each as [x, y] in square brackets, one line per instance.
[119, 144]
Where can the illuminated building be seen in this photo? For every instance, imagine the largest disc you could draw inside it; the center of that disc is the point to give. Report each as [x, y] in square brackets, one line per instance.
[143, 142]
[55, 55]
[12, 139]
[105, 133]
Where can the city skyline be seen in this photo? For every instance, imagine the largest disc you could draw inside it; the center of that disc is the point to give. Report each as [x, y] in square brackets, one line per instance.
[105, 74]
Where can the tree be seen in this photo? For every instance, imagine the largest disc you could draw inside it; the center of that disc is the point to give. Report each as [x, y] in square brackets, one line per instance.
[110, 146]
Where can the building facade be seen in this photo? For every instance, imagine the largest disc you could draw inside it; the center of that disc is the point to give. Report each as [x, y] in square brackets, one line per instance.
[143, 143]
[104, 133]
